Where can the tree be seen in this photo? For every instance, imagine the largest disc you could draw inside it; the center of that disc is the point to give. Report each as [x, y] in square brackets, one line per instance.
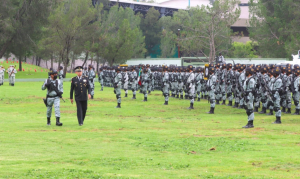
[275, 26]
[241, 50]
[151, 29]
[19, 22]
[206, 30]
[69, 22]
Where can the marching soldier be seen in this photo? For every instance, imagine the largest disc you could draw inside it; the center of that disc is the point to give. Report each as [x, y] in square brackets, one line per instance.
[289, 88]
[125, 81]
[228, 82]
[80, 84]
[180, 82]
[117, 86]
[199, 79]
[54, 92]
[296, 91]
[190, 85]
[132, 78]
[101, 78]
[149, 85]
[91, 76]
[249, 91]
[11, 75]
[211, 87]
[61, 75]
[85, 72]
[277, 92]
[223, 84]
[2, 70]
[144, 83]
[165, 88]
[264, 79]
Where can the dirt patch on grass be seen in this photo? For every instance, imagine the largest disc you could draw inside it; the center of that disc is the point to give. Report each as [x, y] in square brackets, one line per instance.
[40, 130]
[68, 111]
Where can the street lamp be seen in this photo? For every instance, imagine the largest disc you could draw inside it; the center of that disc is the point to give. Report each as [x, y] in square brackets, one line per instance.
[178, 44]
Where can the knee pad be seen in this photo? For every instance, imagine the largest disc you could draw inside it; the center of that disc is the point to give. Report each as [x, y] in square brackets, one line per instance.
[211, 101]
[191, 97]
[118, 96]
[296, 103]
[263, 100]
[132, 90]
[229, 94]
[276, 109]
[249, 111]
[223, 93]
[166, 94]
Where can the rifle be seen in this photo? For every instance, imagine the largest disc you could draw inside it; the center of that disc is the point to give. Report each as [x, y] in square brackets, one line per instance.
[12, 71]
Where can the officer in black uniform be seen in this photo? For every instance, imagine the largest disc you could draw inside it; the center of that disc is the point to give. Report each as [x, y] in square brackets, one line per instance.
[80, 84]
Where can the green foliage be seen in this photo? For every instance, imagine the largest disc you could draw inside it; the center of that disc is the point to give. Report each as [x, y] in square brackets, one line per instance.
[241, 50]
[275, 25]
[203, 30]
[151, 29]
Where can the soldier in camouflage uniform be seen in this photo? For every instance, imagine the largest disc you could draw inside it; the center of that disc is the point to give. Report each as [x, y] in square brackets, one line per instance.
[270, 102]
[165, 88]
[296, 90]
[2, 70]
[101, 78]
[218, 75]
[11, 75]
[241, 80]
[117, 86]
[61, 75]
[180, 82]
[289, 88]
[53, 86]
[229, 77]
[223, 84]
[149, 84]
[91, 76]
[132, 81]
[198, 79]
[277, 91]
[190, 86]
[125, 79]
[248, 94]
[264, 80]
[211, 87]
[144, 83]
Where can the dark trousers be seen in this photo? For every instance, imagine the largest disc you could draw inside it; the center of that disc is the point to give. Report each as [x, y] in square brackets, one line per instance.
[81, 110]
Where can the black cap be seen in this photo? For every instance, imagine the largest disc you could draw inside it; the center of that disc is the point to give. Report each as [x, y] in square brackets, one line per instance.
[78, 68]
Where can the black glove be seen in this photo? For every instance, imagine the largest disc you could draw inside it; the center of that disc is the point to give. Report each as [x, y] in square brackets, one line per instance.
[48, 84]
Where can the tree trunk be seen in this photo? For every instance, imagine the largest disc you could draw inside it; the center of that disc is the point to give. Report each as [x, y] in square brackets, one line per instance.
[5, 46]
[20, 64]
[86, 57]
[52, 61]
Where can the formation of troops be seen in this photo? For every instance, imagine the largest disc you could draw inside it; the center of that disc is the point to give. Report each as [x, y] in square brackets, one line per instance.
[273, 88]
[249, 87]
[11, 71]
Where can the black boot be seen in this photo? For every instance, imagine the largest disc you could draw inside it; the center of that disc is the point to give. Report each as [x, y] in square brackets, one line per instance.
[166, 103]
[288, 111]
[140, 91]
[270, 113]
[181, 96]
[125, 96]
[255, 109]
[191, 106]
[236, 105]
[296, 112]
[145, 99]
[119, 105]
[198, 99]
[278, 120]
[211, 111]
[230, 103]
[92, 96]
[241, 107]
[223, 102]
[177, 96]
[217, 102]
[48, 121]
[185, 96]
[283, 109]
[133, 97]
[57, 122]
[263, 111]
[12, 84]
[249, 125]
[149, 92]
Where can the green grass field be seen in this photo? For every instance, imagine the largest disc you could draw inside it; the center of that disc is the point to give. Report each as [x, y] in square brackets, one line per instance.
[140, 140]
[29, 71]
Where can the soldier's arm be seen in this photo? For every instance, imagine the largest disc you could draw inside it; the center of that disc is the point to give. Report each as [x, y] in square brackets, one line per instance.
[72, 89]
[60, 86]
[89, 88]
[43, 86]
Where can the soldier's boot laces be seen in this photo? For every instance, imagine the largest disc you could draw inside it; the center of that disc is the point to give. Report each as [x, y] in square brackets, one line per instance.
[296, 112]
[211, 111]
[57, 122]
[270, 113]
[263, 111]
[48, 121]
[249, 125]
[278, 120]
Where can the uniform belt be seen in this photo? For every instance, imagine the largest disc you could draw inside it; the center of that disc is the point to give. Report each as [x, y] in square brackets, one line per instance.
[51, 96]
